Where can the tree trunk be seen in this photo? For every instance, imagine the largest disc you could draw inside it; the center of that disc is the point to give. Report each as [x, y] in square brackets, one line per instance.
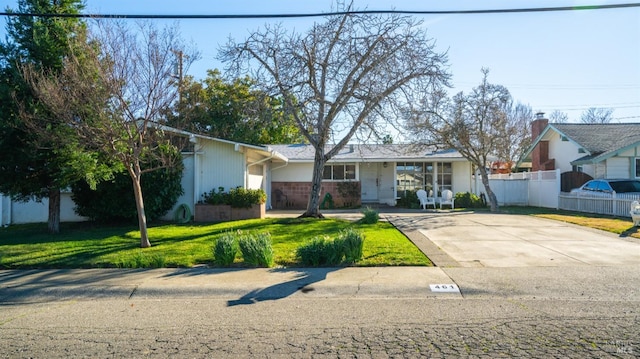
[493, 201]
[53, 221]
[313, 206]
[142, 218]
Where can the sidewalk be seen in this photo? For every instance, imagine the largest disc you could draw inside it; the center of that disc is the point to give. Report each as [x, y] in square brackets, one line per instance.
[249, 285]
[483, 254]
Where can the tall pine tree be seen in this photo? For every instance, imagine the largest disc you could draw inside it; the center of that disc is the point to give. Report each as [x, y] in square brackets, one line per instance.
[32, 165]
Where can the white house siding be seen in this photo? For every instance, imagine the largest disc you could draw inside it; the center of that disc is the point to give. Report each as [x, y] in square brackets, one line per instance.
[600, 170]
[219, 165]
[564, 152]
[187, 186]
[618, 167]
[255, 177]
[293, 172]
[462, 180]
[589, 169]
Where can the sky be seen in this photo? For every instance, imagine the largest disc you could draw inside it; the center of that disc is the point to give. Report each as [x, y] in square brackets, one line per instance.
[567, 61]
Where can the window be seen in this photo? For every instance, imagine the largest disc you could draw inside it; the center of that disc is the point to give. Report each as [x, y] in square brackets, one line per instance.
[413, 176]
[637, 167]
[445, 177]
[339, 172]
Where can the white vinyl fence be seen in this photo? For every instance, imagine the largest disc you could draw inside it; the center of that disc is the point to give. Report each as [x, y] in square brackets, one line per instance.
[542, 189]
[539, 189]
[13, 212]
[615, 205]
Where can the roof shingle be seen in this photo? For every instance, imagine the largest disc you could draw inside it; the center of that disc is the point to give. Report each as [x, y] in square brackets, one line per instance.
[363, 153]
[601, 138]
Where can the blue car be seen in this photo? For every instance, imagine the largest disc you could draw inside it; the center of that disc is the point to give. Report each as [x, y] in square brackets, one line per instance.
[600, 187]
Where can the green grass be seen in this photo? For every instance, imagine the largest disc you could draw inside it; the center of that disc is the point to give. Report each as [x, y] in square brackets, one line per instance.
[84, 245]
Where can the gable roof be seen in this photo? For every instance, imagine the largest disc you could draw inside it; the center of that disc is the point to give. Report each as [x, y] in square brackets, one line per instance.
[601, 138]
[369, 153]
[262, 150]
[600, 141]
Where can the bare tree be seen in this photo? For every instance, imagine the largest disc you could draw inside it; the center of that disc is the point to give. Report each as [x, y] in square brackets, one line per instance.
[342, 76]
[514, 132]
[113, 95]
[596, 115]
[558, 117]
[482, 125]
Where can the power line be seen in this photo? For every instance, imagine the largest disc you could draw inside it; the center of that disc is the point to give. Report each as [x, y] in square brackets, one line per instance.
[334, 13]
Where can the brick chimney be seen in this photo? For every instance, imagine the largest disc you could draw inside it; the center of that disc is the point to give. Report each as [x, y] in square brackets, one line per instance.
[540, 154]
[538, 125]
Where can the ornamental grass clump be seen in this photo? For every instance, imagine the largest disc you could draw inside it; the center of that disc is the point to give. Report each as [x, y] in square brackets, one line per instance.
[256, 249]
[225, 249]
[322, 251]
[319, 251]
[371, 216]
[351, 242]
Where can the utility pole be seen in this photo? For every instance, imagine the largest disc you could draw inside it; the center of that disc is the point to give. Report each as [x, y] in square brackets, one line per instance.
[179, 75]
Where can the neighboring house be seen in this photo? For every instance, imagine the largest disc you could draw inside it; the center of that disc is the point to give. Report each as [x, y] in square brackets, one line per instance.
[597, 150]
[378, 174]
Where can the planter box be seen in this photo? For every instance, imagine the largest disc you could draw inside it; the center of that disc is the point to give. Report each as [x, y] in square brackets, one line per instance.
[212, 213]
[224, 213]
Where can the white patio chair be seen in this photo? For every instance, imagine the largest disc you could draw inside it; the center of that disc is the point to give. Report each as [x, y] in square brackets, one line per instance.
[447, 199]
[425, 200]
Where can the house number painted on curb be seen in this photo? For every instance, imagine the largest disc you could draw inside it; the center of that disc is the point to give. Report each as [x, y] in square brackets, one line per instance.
[448, 288]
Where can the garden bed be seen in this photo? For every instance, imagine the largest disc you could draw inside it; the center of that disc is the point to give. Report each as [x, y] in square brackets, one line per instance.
[224, 212]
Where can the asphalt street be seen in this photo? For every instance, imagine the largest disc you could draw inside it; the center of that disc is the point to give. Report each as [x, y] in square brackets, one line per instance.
[479, 304]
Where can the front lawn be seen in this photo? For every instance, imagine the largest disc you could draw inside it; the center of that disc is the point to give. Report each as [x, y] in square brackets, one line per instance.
[85, 245]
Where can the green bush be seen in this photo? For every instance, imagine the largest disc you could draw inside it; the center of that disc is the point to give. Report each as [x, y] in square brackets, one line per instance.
[113, 201]
[408, 199]
[349, 192]
[314, 253]
[244, 198]
[468, 200]
[322, 251]
[256, 249]
[318, 252]
[371, 216]
[237, 197]
[351, 242]
[225, 249]
[215, 197]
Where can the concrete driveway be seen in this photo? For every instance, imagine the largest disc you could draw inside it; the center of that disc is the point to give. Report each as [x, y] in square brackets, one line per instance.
[502, 240]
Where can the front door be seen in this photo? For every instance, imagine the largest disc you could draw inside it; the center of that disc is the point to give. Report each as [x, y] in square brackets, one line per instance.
[369, 182]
